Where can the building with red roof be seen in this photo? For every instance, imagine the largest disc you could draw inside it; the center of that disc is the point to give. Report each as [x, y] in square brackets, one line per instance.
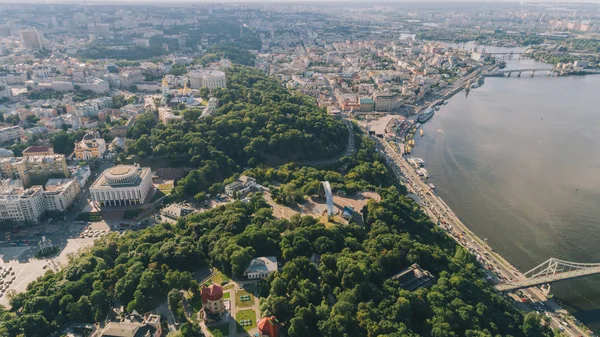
[38, 151]
[212, 299]
[268, 326]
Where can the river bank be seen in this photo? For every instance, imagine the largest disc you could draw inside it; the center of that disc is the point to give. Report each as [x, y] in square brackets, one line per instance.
[472, 185]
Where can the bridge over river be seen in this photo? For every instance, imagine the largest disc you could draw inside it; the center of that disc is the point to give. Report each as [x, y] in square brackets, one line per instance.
[552, 270]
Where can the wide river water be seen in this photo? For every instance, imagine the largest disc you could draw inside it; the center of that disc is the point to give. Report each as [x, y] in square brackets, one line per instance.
[518, 160]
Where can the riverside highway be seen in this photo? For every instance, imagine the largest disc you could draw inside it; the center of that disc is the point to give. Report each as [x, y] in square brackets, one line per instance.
[495, 266]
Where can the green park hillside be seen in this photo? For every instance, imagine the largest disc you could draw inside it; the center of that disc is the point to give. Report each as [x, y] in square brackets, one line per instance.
[258, 122]
[349, 292]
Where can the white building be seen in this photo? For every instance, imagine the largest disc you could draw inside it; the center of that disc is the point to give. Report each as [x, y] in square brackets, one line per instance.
[94, 84]
[261, 267]
[81, 173]
[59, 194]
[19, 204]
[242, 185]
[210, 79]
[11, 134]
[61, 86]
[167, 116]
[43, 71]
[13, 77]
[122, 185]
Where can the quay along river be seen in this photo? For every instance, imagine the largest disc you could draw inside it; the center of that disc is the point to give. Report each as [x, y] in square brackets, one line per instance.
[518, 160]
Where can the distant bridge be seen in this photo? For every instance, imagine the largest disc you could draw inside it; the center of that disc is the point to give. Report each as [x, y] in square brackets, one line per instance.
[508, 72]
[552, 270]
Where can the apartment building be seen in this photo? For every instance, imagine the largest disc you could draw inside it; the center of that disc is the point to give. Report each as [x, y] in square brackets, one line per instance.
[10, 134]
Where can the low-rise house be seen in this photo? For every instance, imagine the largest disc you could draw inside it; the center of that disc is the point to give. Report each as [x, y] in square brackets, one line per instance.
[134, 326]
[261, 267]
[413, 278]
[268, 327]
[174, 211]
[242, 185]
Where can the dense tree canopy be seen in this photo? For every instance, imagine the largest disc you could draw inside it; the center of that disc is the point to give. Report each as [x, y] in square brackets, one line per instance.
[258, 122]
[349, 292]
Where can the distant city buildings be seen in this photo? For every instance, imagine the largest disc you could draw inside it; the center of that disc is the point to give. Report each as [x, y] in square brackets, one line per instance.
[99, 29]
[31, 39]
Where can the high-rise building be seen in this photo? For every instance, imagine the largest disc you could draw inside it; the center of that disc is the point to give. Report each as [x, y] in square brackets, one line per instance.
[20, 204]
[37, 168]
[32, 39]
[29, 204]
[99, 29]
[59, 194]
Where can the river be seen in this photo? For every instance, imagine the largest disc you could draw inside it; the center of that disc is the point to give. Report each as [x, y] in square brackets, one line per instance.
[518, 160]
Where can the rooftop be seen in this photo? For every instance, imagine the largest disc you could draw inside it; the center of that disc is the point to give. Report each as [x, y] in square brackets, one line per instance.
[212, 293]
[263, 264]
[58, 185]
[413, 278]
[121, 176]
[36, 149]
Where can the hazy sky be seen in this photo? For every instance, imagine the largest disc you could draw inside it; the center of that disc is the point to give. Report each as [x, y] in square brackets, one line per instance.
[287, 1]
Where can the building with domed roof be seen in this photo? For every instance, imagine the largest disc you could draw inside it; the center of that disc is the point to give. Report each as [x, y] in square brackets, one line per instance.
[122, 185]
[91, 146]
[212, 302]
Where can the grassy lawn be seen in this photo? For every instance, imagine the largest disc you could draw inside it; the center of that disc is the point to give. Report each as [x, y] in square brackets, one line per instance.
[219, 330]
[220, 278]
[165, 188]
[227, 295]
[130, 214]
[89, 216]
[228, 287]
[248, 314]
[243, 304]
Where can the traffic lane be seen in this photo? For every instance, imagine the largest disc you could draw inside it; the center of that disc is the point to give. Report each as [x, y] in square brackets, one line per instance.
[497, 263]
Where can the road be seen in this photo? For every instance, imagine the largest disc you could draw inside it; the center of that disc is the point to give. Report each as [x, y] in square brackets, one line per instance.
[495, 266]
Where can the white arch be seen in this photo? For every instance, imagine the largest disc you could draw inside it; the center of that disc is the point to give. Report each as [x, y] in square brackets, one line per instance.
[325, 191]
